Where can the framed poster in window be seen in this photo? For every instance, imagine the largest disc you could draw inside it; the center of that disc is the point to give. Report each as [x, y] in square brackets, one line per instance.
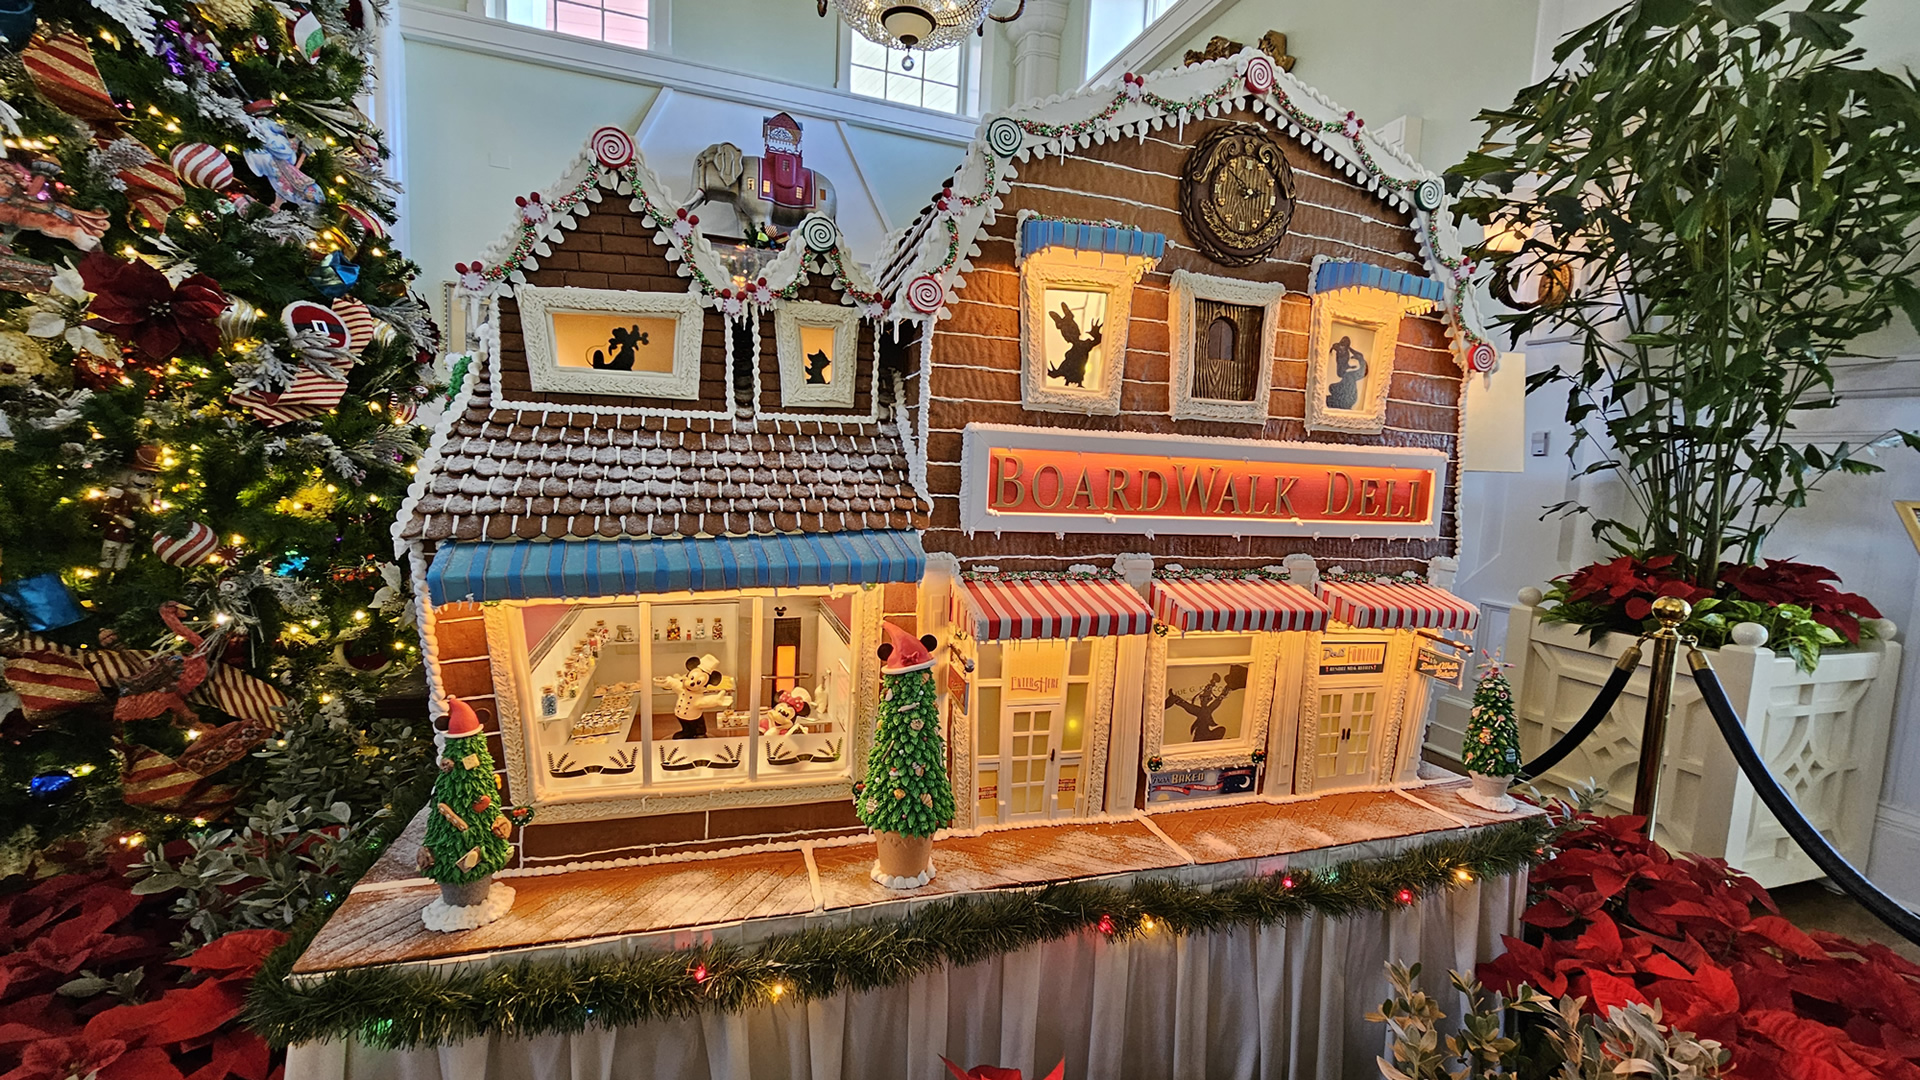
[1223, 333]
[1208, 698]
[1350, 358]
[818, 352]
[1073, 334]
[608, 341]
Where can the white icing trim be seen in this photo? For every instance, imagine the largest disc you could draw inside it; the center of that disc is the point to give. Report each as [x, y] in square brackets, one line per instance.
[429, 462]
[538, 306]
[901, 883]
[1376, 310]
[1037, 276]
[791, 359]
[1186, 288]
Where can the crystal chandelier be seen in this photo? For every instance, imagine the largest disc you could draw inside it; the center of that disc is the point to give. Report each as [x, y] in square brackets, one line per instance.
[918, 25]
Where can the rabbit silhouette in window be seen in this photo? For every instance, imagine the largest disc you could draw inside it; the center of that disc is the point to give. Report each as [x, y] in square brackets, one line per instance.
[818, 368]
[1349, 371]
[622, 342]
[1072, 368]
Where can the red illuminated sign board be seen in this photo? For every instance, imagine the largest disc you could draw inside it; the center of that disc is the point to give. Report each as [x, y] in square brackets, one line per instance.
[1049, 480]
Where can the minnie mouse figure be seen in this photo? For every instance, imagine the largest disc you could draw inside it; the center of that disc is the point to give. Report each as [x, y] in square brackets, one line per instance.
[701, 690]
[791, 707]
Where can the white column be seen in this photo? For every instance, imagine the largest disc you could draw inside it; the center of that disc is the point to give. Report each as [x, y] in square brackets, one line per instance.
[1036, 37]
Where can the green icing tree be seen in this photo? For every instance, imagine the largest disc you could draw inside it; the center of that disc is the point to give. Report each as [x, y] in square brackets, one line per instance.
[1492, 745]
[468, 829]
[906, 790]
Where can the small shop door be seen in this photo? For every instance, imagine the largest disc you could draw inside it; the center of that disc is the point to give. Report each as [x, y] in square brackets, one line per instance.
[1353, 700]
[1031, 754]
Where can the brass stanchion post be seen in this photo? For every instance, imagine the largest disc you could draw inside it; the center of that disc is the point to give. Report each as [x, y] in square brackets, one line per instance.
[1671, 611]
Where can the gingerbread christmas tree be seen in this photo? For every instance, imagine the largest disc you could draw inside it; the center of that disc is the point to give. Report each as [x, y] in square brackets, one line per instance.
[1492, 745]
[906, 794]
[468, 829]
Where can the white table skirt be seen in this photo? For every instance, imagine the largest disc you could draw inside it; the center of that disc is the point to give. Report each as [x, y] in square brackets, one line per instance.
[1287, 1001]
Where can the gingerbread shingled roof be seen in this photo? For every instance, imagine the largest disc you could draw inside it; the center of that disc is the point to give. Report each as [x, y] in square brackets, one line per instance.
[505, 474]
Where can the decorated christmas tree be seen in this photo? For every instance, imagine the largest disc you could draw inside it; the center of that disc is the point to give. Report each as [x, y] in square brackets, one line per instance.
[211, 383]
[1491, 749]
[906, 796]
[468, 828]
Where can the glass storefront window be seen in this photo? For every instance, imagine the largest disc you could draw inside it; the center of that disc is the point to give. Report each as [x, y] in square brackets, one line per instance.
[688, 693]
[1207, 688]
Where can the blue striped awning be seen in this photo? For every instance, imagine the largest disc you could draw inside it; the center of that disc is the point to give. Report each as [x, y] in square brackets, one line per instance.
[541, 569]
[1342, 274]
[1037, 233]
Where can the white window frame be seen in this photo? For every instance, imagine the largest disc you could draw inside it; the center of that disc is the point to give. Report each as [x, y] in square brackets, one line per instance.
[538, 305]
[658, 20]
[1261, 659]
[795, 390]
[972, 67]
[1186, 337]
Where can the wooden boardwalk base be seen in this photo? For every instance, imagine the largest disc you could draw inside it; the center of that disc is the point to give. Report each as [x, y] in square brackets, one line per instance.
[750, 893]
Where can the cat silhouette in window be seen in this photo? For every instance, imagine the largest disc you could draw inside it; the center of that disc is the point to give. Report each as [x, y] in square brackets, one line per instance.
[1349, 371]
[817, 367]
[623, 341]
[1072, 368]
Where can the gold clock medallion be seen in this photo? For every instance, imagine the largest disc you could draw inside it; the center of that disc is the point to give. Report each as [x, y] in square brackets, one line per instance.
[1236, 194]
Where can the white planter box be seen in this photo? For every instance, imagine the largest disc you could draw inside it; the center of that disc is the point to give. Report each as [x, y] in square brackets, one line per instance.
[1824, 736]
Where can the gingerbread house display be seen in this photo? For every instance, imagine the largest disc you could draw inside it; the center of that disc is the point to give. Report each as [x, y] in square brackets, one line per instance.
[1187, 402]
[1150, 422]
[653, 533]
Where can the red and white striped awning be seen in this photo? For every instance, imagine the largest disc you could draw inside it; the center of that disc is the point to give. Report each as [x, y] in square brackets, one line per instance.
[1236, 604]
[1038, 608]
[1379, 605]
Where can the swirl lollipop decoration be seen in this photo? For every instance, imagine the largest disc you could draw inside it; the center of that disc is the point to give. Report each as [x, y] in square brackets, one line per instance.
[1260, 74]
[1428, 193]
[613, 147]
[925, 294]
[1004, 136]
[818, 233]
[1482, 357]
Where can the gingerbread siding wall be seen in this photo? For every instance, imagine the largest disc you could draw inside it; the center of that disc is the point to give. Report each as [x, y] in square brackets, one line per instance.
[819, 290]
[975, 355]
[613, 248]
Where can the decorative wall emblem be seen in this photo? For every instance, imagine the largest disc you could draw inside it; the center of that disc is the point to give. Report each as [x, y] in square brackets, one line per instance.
[1236, 194]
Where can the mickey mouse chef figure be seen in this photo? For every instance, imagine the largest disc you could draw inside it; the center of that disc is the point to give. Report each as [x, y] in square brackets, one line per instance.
[791, 707]
[701, 690]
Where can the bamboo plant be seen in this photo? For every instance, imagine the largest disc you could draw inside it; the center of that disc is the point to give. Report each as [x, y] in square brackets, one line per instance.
[1720, 197]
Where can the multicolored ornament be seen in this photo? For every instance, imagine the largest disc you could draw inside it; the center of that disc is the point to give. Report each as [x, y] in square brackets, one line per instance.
[188, 549]
[369, 222]
[31, 197]
[278, 163]
[17, 22]
[334, 276]
[307, 35]
[612, 147]
[201, 165]
[51, 786]
[42, 602]
[405, 409]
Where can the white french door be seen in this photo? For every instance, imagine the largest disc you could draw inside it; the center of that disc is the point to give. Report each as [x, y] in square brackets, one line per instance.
[1349, 718]
[1030, 753]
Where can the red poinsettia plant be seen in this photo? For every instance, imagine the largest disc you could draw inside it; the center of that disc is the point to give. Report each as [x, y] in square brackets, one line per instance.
[1619, 920]
[136, 303]
[1796, 602]
[87, 989]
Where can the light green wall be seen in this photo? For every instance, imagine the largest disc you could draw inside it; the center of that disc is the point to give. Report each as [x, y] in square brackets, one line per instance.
[905, 172]
[777, 39]
[1441, 62]
[481, 130]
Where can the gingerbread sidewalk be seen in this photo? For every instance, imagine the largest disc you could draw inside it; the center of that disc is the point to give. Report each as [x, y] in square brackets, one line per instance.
[747, 894]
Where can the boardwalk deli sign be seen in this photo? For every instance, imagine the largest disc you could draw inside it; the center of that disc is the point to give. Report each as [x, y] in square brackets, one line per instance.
[1022, 479]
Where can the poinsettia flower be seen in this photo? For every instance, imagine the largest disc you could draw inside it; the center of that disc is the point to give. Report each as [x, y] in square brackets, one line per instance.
[137, 304]
[62, 1059]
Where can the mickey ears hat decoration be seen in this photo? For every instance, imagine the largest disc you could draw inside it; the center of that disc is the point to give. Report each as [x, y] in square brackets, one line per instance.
[462, 721]
[708, 663]
[902, 652]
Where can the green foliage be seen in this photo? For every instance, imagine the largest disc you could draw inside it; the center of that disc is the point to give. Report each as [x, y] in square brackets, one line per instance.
[395, 1007]
[1576, 1045]
[1734, 196]
[1492, 743]
[906, 790]
[466, 801]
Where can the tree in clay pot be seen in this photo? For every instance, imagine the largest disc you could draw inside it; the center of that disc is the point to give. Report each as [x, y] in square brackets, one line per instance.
[906, 796]
[1491, 749]
[1712, 200]
[467, 830]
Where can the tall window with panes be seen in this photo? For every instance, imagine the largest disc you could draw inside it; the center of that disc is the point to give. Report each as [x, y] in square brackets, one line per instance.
[928, 80]
[617, 22]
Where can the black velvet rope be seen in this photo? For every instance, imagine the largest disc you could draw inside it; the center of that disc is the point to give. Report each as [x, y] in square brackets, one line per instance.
[1596, 712]
[1831, 862]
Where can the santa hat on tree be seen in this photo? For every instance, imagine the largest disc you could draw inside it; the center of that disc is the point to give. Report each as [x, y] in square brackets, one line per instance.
[902, 652]
[462, 721]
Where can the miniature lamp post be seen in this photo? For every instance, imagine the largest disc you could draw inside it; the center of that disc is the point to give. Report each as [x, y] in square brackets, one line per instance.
[467, 830]
[906, 797]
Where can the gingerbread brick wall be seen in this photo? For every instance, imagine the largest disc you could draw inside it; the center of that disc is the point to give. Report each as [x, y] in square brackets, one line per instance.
[819, 290]
[613, 248]
[974, 375]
